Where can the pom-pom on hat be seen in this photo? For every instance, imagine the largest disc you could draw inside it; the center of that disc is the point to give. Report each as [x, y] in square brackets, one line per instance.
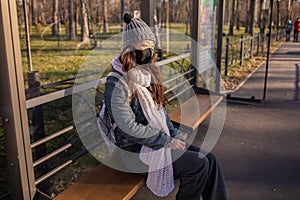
[135, 31]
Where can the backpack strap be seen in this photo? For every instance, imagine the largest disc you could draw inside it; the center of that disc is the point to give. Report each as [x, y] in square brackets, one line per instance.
[122, 79]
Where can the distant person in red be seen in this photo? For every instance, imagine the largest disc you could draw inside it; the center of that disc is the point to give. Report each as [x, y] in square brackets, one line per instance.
[298, 26]
[296, 29]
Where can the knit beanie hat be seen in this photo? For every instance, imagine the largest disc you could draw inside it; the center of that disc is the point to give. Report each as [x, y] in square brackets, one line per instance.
[135, 31]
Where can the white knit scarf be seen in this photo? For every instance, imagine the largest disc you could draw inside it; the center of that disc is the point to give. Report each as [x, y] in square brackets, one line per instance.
[160, 173]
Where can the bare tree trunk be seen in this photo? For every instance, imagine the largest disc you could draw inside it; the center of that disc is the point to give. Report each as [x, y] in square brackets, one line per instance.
[232, 18]
[171, 9]
[42, 10]
[228, 11]
[90, 18]
[77, 16]
[98, 14]
[157, 24]
[238, 14]
[251, 21]
[20, 16]
[72, 33]
[58, 17]
[29, 13]
[277, 20]
[247, 19]
[260, 21]
[187, 20]
[105, 18]
[122, 12]
[34, 18]
[55, 18]
[67, 16]
[165, 19]
[84, 23]
[288, 10]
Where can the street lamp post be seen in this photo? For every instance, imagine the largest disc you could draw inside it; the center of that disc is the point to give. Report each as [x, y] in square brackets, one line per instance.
[277, 22]
[268, 53]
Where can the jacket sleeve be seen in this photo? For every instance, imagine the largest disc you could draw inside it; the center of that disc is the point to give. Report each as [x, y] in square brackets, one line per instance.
[116, 100]
[174, 132]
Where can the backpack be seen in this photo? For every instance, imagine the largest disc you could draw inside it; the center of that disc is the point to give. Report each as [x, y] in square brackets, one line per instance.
[289, 27]
[105, 122]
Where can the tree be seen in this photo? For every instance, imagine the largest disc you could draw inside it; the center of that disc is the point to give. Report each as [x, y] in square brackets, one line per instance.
[105, 18]
[122, 11]
[227, 14]
[251, 12]
[232, 18]
[84, 23]
[171, 10]
[34, 18]
[77, 12]
[98, 14]
[187, 20]
[90, 16]
[288, 10]
[247, 18]
[42, 12]
[238, 15]
[260, 21]
[72, 33]
[157, 24]
[277, 19]
[55, 18]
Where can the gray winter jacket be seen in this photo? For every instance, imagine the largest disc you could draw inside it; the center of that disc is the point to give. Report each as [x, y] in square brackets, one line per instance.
[132, 129]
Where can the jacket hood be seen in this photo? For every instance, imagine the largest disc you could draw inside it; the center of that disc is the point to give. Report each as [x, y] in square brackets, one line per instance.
[117, 65]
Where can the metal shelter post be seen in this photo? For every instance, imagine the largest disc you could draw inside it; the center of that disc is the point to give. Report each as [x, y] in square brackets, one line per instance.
[147, 11]
[12, 106]
[268, 53]
[219, 44]
[195, 35]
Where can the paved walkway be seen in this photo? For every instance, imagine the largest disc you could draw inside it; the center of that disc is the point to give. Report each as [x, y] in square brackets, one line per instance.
[259, 148]
[260, 144]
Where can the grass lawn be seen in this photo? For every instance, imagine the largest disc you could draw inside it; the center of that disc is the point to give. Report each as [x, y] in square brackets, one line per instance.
[58, 60]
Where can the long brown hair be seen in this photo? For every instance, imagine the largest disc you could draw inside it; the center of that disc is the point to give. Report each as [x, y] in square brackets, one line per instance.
[156, 88]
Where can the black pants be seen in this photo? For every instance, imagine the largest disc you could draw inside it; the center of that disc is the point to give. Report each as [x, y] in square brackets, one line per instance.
[296, 36]
[198, 175]
[288, 36]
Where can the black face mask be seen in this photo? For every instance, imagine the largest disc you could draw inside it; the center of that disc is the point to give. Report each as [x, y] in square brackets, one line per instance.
[143, 56]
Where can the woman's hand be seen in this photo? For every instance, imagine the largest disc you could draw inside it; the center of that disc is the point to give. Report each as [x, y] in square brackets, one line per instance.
[177, 144]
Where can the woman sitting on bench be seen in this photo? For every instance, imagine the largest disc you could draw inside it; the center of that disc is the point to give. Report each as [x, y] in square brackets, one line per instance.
[144, 127]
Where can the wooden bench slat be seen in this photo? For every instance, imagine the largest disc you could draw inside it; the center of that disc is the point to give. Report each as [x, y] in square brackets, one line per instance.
[104, 183]
[190, 118]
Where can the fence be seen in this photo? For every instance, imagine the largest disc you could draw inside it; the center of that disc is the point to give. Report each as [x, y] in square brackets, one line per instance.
[235, 52]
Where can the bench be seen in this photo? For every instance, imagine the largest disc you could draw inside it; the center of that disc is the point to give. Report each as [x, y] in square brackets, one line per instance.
[205, 103]
[106, 183]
